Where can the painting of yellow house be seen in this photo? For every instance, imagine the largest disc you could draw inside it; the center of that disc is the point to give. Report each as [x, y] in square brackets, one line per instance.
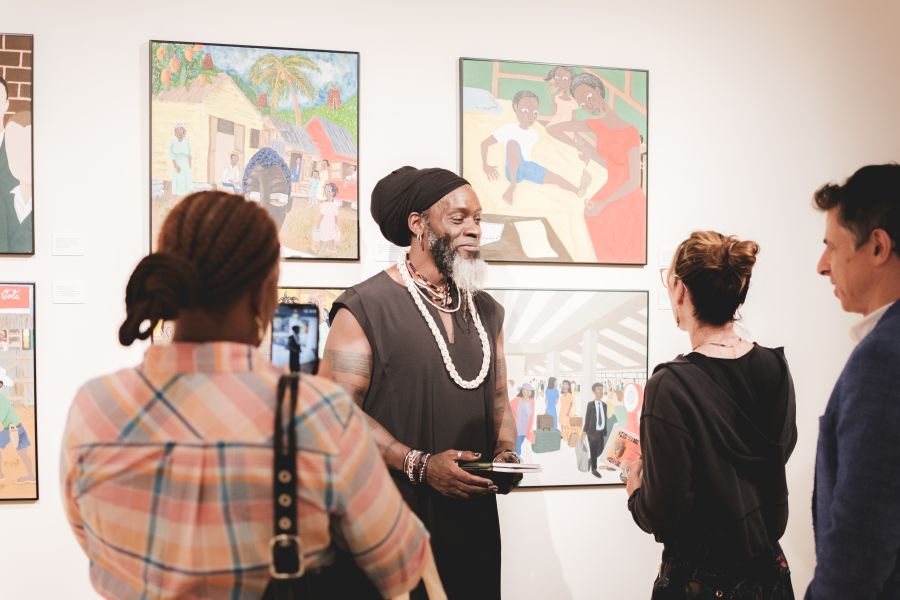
[217, 119]
[217, 110]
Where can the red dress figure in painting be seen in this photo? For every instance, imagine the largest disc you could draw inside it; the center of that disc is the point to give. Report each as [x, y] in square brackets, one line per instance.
[616, 216]
[618, 229]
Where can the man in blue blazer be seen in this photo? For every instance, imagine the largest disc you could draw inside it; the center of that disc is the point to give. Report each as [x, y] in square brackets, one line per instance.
[856, 503]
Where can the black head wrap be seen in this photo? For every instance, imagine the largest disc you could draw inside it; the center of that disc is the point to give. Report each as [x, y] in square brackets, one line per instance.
[405, 191]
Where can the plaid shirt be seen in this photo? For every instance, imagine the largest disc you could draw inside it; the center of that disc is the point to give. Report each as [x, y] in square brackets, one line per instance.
[167, 468]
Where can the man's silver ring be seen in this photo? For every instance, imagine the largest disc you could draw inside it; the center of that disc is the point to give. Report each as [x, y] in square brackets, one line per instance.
[458, 455]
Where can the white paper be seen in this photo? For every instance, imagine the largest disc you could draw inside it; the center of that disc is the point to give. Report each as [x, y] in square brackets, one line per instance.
[68, 244]
[490, 232]
[533, 235]
[69, 292]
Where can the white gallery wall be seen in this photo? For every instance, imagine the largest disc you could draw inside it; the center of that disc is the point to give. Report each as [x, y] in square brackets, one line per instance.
[752, 107]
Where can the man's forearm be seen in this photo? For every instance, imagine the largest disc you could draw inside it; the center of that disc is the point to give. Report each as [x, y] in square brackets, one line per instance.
[353, 372]
[504, 424]
[506, 431]
[392, 451]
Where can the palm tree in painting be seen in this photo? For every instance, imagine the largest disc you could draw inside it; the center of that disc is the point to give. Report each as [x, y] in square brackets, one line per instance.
[282, 76]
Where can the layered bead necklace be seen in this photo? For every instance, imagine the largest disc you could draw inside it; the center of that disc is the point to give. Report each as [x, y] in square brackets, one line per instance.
[417, 294]
[438, 296]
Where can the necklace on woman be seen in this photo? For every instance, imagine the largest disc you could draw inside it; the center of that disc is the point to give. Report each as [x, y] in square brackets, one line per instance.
[721, 345]
[414, 291]
[438, 296]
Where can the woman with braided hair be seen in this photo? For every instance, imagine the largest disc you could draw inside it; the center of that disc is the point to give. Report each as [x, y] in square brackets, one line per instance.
[166, 467]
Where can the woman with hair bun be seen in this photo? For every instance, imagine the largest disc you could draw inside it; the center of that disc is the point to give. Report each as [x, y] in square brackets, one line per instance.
[167, 467]
[717, 427]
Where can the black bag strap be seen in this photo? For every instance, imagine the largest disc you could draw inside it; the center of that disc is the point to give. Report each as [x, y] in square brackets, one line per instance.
[286, 564]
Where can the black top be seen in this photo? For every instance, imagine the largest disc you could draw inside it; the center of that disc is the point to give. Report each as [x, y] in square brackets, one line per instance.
[715, 436]
[412, 396]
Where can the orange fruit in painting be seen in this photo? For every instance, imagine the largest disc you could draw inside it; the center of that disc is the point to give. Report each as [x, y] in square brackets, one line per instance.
[165, 76]
[198, 47]
[174, 64]
[189, 54]
[161, 53]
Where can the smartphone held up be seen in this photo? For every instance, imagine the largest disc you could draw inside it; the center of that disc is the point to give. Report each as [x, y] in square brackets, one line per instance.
[295, 337]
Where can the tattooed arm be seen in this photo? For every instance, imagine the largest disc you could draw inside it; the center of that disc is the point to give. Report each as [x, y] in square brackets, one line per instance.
[504, 424]
[348, 362]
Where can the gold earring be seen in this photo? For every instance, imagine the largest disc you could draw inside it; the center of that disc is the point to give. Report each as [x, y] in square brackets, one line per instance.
[260, 329]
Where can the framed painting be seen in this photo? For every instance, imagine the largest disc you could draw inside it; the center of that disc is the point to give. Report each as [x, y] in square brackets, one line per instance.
[16, 145]
[558, 157]
[575, 378]
[278, 125]
[321, 297]
[18, 416]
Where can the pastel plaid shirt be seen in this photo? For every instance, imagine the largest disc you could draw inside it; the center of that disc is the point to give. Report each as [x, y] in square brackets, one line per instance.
[167, 469]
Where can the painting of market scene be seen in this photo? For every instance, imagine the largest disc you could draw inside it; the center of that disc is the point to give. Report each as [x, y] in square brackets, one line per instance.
[279, 126]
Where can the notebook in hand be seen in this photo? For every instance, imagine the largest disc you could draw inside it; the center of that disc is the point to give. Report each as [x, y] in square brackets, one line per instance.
[500, 467]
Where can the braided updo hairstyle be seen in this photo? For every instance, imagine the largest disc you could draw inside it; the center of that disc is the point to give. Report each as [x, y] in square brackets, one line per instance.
[213, 247]
[716, 271]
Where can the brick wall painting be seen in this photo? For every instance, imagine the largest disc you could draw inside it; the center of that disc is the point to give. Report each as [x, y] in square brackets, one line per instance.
[16, 169]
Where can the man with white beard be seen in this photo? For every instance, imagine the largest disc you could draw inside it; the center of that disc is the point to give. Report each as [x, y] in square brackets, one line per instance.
[420, 348]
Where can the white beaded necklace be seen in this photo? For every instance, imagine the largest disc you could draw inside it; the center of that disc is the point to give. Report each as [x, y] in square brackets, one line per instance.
[442, 345]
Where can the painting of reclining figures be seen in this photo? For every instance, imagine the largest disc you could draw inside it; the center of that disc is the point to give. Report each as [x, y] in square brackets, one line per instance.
[558, 157]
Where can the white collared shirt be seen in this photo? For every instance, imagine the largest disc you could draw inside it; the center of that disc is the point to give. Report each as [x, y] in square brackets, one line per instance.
[868, 323]
[601, 418]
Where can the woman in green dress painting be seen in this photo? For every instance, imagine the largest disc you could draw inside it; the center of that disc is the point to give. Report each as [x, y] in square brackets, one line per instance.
[180, 155]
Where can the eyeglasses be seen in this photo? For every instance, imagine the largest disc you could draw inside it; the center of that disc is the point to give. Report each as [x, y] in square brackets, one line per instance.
[664, 277]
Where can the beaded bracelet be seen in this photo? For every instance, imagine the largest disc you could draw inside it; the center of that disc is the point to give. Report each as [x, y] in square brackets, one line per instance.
[409, 464]
[424, 468]
[515, 456]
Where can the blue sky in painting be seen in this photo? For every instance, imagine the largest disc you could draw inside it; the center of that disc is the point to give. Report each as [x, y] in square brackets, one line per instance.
[337, 69]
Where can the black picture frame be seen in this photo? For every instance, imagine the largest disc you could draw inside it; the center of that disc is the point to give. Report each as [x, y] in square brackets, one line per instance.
[510, 341]
[34, 433]
[355, 54]
[510, 242]
[4, 251]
